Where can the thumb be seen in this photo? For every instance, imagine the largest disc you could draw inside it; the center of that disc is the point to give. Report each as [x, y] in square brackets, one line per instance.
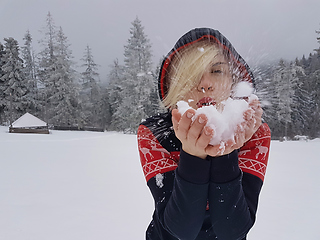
[175, 118]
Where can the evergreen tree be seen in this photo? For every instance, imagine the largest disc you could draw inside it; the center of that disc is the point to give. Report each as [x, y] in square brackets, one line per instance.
[30, 73]
[303, 102]
[105, 109]
[13, 87]
[285, 93]
[138, 81]
[113, 95]
[314, 62]
[305, 64]
[313, 81]
[91, 92]
[318, 39]
[314, 127]
[46, 66]
[314, 89]
[65, 100]
[2, 105]
[2, 52]
[58, 77]
[293, 103]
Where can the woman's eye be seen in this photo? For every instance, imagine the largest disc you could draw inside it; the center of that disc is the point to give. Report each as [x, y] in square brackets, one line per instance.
[216, 71]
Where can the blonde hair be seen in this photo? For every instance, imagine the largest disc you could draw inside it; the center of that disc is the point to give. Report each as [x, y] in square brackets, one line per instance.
[187, 68]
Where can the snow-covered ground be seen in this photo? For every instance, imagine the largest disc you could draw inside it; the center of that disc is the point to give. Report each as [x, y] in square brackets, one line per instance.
[89, 185]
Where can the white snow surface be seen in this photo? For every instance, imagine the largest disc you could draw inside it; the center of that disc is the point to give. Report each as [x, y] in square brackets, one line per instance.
[89, 185]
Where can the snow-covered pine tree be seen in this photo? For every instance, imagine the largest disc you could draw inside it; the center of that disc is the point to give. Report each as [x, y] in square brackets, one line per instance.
[305, 64]
[66, 109]
[105, 109]
[138, 81]
[2, 106]
[314, 78]
[1, 54]
[291, 108]
[13, 85]
[314, 62]
[46, 66]
[284, 90]
[60, 91]
[91, 91]
[113, 95]
[30, 73]
[314, 89]
[318, 39]
[303, 103]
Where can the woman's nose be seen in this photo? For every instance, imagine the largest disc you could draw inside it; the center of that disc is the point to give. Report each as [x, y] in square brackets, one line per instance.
[205, 84]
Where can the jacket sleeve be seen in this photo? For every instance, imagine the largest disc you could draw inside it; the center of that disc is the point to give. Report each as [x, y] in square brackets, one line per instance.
[233, 198]
[228, 206]
[180, 195]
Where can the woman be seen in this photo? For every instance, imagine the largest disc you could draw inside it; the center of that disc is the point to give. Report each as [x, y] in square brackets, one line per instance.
[201, 192]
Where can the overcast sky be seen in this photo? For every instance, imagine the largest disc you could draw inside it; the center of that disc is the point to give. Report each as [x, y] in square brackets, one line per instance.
[259, 30]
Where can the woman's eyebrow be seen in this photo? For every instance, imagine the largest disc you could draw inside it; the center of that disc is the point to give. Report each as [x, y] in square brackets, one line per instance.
[218, 63]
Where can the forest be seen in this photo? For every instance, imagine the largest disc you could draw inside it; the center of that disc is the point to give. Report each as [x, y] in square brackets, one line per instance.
[46, 84]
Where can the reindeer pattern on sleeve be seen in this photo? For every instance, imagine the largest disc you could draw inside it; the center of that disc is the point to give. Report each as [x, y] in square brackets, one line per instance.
[253, 156]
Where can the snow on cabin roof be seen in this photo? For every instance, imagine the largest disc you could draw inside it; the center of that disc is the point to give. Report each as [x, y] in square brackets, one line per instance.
[28, 120]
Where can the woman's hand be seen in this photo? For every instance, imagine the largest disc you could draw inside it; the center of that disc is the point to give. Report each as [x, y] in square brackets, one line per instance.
[253, 119]
[243, 133]
[194, 136]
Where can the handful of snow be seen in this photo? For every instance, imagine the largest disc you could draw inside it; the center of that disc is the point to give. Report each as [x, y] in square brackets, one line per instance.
[225, 122]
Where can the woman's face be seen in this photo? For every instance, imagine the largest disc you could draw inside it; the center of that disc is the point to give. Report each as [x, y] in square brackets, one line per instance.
[214, 86]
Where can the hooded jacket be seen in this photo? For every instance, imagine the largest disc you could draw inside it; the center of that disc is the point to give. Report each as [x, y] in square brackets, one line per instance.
[215, 198]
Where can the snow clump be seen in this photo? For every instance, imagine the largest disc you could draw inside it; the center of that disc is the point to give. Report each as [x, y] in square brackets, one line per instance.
[159, 180]
[225, 121]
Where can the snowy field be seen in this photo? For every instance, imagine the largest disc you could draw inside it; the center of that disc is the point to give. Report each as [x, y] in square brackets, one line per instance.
[89, 185]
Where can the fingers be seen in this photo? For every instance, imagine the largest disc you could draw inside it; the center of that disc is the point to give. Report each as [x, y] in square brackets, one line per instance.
[196, 129]
[188, 128]
[193, 133]
[249, 124]
[258, 117]
[239, 137]
[181, 124]
[195, 136]
[229, 146]
[215, 150]
[256, 107]
[204, 138]
[175, 119]
[253, 117]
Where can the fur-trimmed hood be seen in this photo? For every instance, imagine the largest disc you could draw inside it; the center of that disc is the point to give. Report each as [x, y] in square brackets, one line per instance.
[194, 36]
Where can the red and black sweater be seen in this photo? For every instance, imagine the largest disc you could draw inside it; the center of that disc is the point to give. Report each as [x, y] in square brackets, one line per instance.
[215, 198]
[196, 198]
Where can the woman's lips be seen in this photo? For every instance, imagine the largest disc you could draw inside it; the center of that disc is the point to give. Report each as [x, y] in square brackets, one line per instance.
[206, 101]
